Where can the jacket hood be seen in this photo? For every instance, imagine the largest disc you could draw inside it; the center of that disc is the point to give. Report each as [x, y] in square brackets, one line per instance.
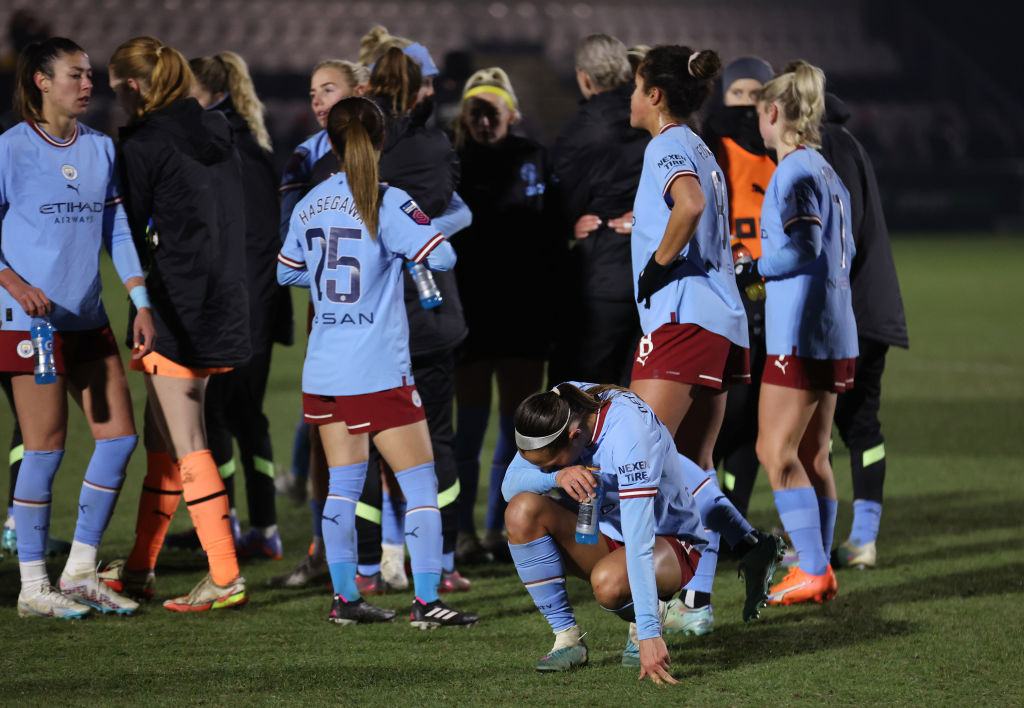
[835, 110]
[206, 131]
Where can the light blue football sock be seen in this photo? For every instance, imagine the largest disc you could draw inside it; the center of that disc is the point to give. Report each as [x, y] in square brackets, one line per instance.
[103, 480]
[798, 510]
[368, 569]
[867, 515]
[540, 567]
[339, 527]
[32, 496]
[827, 509]
[716, 511]
[392, 525]
[704, 577]
[448, 562]
[301, 447]
[422, 528]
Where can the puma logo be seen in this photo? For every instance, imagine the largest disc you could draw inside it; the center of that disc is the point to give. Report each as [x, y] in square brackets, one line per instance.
[74, 187]
[644, 349]
[332, 519]
[83, 507]
[163, 514]
[756, 188]
[782, 364]
[413, 532]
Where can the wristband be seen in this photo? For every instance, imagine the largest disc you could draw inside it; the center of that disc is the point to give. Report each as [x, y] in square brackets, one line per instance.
[140, 297]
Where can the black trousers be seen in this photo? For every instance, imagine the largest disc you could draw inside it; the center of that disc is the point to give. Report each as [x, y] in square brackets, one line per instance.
[234, 411]
[435, 381]
[857, 409]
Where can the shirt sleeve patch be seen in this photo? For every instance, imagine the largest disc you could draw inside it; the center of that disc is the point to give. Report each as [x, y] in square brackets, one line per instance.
[413, 211]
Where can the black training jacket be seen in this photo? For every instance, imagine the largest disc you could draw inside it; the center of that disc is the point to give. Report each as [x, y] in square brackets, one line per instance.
[877, 304]
[180, 169]
[597, 161]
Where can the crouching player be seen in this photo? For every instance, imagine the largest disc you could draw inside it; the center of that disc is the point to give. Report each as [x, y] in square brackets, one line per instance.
[588, 440]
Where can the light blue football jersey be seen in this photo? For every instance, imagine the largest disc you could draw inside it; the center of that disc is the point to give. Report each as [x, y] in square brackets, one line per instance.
[644, 492]
[809, 312]
[59, 203]
[359, 342]
[704, 291]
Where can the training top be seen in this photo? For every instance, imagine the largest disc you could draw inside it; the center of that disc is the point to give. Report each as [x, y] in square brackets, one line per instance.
[60, 201]
[808, 310]
[359, 341]
[703, 291]
[644, 492]
[298, 173]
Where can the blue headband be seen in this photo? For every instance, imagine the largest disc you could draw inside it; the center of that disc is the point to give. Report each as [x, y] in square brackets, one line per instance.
[420, 54]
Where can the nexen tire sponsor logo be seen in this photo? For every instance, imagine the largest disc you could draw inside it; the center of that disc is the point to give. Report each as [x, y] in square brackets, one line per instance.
[634, 471]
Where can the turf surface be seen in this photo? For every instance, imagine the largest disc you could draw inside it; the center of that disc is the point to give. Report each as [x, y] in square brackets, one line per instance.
[939, 622]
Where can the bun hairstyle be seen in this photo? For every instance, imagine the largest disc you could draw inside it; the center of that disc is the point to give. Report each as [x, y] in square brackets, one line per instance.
[38, 57]
[604, 59]
[683, 75]
[228, 73]
[495, 77]
[355, 127]
[397, 77]
[799, 92]
[376, 42]
[544, 414]
[162, 72]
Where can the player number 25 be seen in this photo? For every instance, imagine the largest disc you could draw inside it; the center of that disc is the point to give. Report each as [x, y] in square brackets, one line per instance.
[330, 261]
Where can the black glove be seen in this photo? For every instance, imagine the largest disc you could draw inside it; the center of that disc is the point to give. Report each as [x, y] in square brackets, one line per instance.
[747, 274]
[653, 278]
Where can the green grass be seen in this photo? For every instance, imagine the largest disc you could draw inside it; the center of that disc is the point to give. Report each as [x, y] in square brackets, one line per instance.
[939, 622]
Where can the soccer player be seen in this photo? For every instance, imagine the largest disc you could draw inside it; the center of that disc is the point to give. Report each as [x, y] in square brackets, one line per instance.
[346, 242]
[695, 331]
[601, 441]
[60, 202]
[512, 242]
[183, 195]
[811, 337]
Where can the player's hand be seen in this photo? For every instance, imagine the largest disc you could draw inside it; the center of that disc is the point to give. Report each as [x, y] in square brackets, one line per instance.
[143, 333]
[654, 661]
[578, 482]
[653, 278]
[32, 300]
[622, 225]
[584, 225]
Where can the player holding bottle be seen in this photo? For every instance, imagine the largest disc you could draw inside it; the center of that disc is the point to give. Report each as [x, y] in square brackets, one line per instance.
[346, 242]
[811, 336]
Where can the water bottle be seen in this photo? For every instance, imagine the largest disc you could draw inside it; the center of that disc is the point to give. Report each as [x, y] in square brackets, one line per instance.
[42, 346]
[587, 532]
[430, 295]
[741, 256]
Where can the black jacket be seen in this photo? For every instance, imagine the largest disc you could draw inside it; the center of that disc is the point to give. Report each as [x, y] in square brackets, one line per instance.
[877, 304]
[179, 168]
[597, 161]
[270, 304]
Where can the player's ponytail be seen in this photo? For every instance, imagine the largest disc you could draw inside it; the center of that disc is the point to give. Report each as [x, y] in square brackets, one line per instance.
[544, 420]
[799, 92]
[162, 73]
[37, 57]
[227, 73]
[397, 77]
[683, 75]
[355, 127]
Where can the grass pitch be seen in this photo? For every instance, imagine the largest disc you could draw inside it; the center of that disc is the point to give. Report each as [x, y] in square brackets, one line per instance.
[938, 622]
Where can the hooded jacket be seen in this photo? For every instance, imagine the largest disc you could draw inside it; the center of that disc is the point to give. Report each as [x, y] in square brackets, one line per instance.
[877, 304]
[597, 161]
[182, 187]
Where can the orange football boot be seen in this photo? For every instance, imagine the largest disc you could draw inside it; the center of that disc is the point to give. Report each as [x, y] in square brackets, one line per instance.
[799, 586]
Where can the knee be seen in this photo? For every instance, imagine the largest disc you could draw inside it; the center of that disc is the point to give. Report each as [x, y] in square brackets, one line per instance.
[522, 516]
[611, 589]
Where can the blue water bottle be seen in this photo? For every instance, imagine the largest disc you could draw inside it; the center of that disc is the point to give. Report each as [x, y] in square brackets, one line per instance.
[42, 346]
[587, 521]
[430, 294]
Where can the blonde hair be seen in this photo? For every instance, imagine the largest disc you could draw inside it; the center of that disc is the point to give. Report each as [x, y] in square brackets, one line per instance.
[636, 55]
[397, 77]
[603, 58]
[355, 74]
[376, 42]
[800, 95]
[228, 73]
[491, 76]
[355, 127]
[162, 72]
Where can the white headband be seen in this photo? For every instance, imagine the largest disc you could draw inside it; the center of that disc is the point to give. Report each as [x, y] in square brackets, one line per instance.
[689, 62]
[526, 443]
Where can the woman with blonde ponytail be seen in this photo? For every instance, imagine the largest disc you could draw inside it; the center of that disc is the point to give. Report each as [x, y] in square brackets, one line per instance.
[347, 240]
[183, 196]
[234, 401]
[810, 332]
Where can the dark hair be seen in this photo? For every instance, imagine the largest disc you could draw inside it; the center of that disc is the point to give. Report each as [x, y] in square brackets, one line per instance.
[543, 413]
[38, 57]
[397, 77]
[685, 76]
[355, 127]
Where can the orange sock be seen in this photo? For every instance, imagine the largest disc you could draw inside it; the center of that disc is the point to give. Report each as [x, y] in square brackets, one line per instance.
[161, 491]
[207, 502]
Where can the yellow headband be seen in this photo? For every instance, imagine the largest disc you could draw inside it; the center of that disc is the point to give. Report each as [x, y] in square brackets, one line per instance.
[500, 92]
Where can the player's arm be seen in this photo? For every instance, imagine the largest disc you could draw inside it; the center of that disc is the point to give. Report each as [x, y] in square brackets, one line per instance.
[32, 299]
[455, 218]
[521, 476]
[291, 262]
[117, 237]
[408, 232]
[801, 221]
